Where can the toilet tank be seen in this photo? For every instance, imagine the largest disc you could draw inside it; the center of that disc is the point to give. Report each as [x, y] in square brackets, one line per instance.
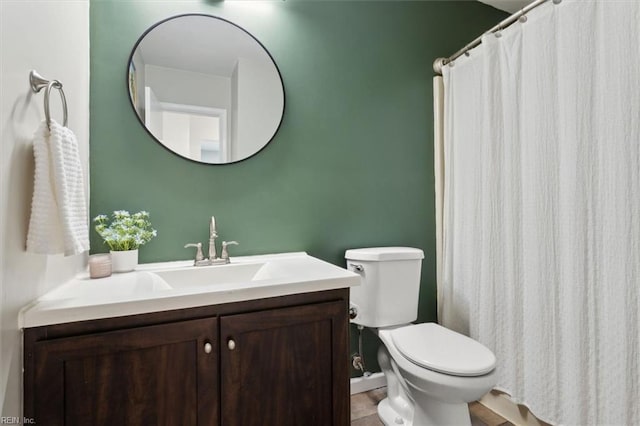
[388, 294]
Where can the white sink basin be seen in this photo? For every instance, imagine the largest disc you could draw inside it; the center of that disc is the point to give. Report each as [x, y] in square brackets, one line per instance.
[117, 287]
[164, 286]
[211, 275]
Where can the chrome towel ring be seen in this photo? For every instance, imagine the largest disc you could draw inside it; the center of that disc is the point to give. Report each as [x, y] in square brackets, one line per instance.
[37, 83]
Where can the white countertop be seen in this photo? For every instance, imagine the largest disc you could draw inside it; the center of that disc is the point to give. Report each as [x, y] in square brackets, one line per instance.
[156, 287]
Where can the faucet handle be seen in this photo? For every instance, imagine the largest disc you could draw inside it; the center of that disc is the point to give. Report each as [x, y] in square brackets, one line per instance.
[198, 247]
[225, 253]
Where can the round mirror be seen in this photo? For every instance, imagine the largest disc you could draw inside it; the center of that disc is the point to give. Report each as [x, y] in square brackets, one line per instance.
[205, 89]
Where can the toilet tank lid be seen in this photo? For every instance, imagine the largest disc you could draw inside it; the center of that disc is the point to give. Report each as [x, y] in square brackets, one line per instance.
[381, 254]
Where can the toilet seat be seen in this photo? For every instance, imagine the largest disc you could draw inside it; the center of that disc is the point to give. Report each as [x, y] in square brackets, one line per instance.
[436, 348]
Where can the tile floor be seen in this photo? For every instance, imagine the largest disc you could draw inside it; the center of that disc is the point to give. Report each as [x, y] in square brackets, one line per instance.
[363, 411]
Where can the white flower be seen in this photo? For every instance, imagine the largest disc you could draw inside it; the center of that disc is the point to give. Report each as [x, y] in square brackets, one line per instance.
[125, 232]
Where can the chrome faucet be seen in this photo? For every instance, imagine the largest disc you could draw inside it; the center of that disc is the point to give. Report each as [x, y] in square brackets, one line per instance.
[200, 260]
[225, 253]
[213, 257]
[213, 234]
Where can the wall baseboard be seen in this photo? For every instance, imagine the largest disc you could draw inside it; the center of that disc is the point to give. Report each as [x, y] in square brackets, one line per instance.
[501, 404]
[365, 384]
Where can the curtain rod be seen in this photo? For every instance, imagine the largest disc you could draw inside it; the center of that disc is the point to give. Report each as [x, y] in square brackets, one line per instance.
[440, 62]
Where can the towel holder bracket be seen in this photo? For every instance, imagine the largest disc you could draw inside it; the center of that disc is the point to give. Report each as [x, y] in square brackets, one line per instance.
[37, 83]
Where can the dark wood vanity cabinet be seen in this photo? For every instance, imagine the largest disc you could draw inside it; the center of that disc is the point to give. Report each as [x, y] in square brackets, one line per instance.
[281, 367]
[146, 375]
[280, 361]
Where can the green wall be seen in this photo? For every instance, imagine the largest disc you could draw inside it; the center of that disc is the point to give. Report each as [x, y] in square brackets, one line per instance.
[352, 164]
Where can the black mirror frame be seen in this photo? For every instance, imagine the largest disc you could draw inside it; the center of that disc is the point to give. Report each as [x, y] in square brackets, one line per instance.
[135, 112]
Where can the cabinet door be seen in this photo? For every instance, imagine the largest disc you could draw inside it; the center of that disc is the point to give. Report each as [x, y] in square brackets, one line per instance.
[286, 366]
[156, 375]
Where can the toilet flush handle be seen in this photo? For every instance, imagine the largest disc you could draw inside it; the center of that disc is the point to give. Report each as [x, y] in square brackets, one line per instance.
[357, 268]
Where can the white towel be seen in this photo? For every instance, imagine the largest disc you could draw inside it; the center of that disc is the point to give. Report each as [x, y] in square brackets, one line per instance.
[59, 222]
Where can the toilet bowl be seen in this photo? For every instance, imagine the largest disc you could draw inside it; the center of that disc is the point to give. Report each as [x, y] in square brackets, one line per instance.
[432, 372]
[460, 370]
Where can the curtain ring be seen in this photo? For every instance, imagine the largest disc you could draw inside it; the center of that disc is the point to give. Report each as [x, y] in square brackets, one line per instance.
[47, 111]
[523, 18]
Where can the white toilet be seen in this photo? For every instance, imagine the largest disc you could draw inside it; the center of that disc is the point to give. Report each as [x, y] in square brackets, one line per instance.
[431, 372]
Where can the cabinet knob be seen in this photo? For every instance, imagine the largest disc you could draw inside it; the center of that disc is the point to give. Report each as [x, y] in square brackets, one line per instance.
[207, 348]
[231, 344]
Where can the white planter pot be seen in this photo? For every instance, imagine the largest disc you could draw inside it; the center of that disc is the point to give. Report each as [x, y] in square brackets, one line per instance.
[124, 261]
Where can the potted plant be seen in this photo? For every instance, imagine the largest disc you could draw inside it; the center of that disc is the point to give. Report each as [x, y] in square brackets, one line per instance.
[124, 233]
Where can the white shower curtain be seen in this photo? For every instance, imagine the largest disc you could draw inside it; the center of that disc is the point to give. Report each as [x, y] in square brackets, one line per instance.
[541, 257]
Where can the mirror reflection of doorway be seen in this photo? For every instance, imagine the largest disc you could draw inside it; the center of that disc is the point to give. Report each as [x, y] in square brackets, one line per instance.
[196, 132]
[197, 66]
